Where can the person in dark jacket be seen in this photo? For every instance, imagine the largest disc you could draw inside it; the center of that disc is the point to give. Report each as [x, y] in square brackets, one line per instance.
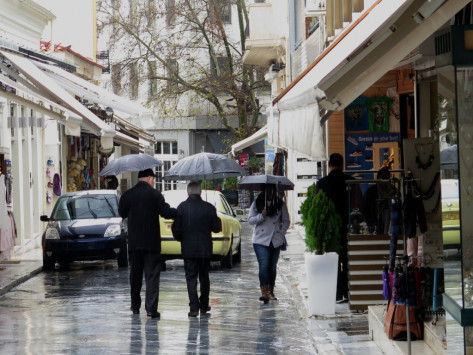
[335, 187]
[142, 205]
[195, 221]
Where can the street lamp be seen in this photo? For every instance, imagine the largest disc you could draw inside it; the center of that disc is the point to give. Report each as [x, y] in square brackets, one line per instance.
[108, 115]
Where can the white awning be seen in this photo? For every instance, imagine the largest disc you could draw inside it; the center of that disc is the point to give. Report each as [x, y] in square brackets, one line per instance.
[404, 31]
[371, 46]
[298, 128]
[51, 88]
[249, 141]
[91, 92]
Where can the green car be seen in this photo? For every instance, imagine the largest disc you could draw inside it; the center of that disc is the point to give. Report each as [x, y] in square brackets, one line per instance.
[450, 212]
[226, 244]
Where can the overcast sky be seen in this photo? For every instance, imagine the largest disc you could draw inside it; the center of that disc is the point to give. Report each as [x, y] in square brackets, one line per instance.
[73, 25]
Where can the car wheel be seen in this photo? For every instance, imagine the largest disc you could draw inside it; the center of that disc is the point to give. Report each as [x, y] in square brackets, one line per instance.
[122, 258]
[227, 260]
[237, 256]
[48, 262]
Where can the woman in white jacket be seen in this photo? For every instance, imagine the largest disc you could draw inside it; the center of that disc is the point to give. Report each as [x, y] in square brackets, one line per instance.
[269, 215]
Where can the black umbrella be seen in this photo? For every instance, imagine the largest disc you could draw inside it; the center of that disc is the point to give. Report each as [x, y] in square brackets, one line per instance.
[259, 182]
[205, 166]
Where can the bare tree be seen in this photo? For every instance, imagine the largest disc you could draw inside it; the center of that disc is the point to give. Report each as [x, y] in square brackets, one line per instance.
[188, 53]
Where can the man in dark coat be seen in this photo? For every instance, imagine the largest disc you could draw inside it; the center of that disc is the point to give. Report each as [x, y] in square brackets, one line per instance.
[195, 221]
[142, 205]
[335, 187]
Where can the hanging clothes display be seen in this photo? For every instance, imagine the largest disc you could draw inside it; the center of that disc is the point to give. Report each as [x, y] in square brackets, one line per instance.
[4, 220]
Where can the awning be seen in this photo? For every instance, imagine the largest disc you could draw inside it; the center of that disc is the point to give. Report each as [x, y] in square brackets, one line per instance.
[40, 80]
[371, 46]
[91, 92]
[298, 128]
[256, 137]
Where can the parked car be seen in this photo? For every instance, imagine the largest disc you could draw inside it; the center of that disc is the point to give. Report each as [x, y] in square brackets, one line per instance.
[241, 214]
[85, 225]
[450, 212]
[226, 244]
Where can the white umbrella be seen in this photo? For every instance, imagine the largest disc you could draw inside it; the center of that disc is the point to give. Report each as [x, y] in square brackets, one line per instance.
[205, 166]
[130, 162]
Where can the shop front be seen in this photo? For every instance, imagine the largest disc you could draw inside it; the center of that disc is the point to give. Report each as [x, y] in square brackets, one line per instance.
[392, 104]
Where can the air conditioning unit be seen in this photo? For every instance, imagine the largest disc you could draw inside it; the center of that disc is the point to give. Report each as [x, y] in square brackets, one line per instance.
[454, 46]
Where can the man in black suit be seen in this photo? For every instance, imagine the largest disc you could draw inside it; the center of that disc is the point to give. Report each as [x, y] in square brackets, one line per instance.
[335, 187]
[142, 205]
[195, 221]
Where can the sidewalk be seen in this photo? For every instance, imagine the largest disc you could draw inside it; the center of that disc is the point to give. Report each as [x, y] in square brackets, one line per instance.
[19, 268]
[346, 332]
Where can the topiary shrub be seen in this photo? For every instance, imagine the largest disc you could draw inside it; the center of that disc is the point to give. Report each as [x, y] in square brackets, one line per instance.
[321, 221]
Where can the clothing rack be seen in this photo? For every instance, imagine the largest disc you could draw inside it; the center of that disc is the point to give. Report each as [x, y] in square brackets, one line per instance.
[403, 183]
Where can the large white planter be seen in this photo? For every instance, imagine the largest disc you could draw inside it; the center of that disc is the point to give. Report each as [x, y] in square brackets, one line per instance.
[322, 282]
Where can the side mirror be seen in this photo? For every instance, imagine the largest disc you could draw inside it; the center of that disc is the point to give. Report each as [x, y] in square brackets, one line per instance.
[44, 218]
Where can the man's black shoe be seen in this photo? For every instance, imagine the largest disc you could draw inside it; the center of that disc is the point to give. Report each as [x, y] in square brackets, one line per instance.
[193, 313]
[154, 314]
[135, 310]
[205, 310]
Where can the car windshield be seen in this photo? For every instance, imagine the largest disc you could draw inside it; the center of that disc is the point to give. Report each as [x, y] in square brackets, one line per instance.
[86, 207]
[175, 197]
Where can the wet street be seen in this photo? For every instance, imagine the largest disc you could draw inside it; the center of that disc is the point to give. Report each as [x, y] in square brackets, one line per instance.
[86, 310]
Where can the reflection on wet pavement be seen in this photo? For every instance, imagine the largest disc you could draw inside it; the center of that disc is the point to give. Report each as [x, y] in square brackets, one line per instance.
[84, 309]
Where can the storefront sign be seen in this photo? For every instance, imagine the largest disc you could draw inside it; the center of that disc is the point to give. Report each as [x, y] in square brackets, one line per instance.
[243, 160]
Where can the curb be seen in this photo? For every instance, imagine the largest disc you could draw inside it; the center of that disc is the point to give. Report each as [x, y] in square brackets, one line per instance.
[19, 280]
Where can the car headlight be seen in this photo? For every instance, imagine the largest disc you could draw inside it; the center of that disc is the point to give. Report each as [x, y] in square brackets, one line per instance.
[113, 231]
[52, 233]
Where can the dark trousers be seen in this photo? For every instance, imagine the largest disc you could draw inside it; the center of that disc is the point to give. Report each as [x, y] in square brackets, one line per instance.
[148, 263]
[342, 281]
[268, 257]
[194, 267]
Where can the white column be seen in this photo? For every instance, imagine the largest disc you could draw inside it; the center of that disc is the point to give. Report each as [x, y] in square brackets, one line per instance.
[17, 173]
[37, 171]
[28, 177]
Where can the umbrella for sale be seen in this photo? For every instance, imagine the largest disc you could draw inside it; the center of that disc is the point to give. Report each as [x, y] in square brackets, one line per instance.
[130, 162]
[205, 166]
[259, 182]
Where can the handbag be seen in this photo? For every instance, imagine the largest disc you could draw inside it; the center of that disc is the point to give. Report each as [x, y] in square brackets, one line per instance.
[395, 323]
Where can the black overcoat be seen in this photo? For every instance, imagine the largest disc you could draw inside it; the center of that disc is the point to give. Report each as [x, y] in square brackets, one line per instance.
[142, 205]
[195, 221]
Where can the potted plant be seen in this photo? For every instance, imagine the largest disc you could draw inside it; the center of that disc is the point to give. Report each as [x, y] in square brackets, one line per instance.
[322, 232]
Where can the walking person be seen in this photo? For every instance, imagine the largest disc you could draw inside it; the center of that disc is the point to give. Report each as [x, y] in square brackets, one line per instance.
[268, 213]
[195, 221]
[142, 205]
[335, 187]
